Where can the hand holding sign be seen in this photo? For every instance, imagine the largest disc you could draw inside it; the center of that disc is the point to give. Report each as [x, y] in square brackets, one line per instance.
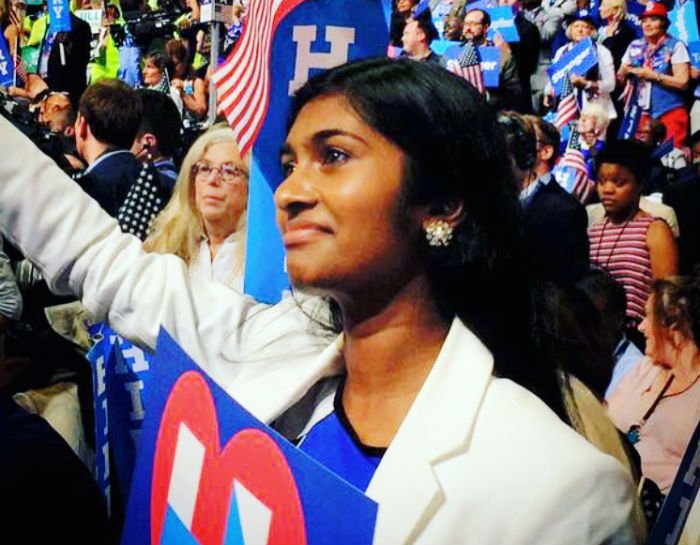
[577, 60]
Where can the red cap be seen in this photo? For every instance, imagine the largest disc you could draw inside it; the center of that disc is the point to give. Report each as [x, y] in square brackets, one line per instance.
[655, 9]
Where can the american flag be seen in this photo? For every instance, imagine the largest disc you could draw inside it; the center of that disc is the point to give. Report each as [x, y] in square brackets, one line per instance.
[16, 19]
[633, 112]
[468, 66]
[243, 81]
[568, 107]
[628, 93]
[575, 170]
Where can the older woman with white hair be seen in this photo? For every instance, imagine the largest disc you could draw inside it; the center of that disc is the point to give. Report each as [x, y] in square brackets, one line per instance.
[204, 222]
[599, 82]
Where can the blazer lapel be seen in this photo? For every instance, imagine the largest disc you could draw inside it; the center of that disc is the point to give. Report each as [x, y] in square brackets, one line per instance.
[437, 427]
[267, 395]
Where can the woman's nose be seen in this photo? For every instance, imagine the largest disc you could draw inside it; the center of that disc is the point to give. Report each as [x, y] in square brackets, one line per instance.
[296, 192]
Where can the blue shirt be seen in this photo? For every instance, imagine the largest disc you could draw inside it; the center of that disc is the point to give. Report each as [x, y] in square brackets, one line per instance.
[333, 443]
[625, 357]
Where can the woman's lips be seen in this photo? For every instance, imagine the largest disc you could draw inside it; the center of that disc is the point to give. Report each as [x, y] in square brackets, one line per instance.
[302, 232]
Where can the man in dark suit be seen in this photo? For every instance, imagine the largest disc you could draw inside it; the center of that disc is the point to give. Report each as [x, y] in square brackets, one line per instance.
[683, 195]
[68, 57]
[109, 116]
[555, 222]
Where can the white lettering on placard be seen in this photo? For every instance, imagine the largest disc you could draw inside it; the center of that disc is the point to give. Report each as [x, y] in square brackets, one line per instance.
[140, 362]
[672, 538]
[488, 66]
[3, 68]
[577, 60]
[100, 375]
[340, 39]
[134, 389]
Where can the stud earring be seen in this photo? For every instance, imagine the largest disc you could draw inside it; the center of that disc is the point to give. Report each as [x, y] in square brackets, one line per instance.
[438, 232]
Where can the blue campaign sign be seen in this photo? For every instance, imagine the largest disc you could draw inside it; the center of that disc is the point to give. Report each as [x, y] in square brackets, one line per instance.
[59, 16]
[121, 372]
[7, 65]
[694, 50]
[684, 26]
[490, 65]
[490, 62]
[209, 473]
[315, 36]
[679, 518]
[440, 46]
[578, 60]
[634, 10]
[503, 22]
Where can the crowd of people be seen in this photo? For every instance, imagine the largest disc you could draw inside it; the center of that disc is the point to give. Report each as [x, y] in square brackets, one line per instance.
[481, 269]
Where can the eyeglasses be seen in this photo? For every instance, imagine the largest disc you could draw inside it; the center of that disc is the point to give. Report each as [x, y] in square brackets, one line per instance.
[229, 173]
[473, 23]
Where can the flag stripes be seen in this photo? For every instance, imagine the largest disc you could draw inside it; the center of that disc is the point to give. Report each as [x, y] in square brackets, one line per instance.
[243, 81]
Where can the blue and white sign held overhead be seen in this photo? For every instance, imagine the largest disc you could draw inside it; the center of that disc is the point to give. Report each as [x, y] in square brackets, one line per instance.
[59, 16]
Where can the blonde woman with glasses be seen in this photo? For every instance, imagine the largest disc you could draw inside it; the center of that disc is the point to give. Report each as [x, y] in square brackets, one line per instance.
[204, 222]
[616, 33]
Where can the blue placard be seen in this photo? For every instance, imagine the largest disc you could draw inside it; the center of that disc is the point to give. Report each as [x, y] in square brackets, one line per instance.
[678, 514]
[490, 62]
[578, 60]
[7, 65]
[634, 11]
[490, 65]
[503, 22]
[120, 376]
[59, 16]
[684, 26]
[316, 35]
[209, 473]
[440, 46]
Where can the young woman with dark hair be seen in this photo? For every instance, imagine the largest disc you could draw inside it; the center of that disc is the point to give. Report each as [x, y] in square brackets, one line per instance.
[398, 206]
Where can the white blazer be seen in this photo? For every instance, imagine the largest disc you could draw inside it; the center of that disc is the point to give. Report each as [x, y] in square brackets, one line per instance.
[477, 460]
[606, 78]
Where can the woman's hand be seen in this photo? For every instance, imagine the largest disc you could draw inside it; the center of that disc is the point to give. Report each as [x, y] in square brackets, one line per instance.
[177, 84]
[644, 73]
[578, 81]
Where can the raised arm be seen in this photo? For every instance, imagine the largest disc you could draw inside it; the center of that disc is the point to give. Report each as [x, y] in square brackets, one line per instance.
[80, 250]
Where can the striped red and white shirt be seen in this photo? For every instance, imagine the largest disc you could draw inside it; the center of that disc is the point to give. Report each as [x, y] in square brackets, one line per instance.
[622, 251]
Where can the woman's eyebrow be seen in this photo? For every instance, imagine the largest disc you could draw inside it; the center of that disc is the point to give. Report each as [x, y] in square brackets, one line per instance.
[321, 136]
[330, 133]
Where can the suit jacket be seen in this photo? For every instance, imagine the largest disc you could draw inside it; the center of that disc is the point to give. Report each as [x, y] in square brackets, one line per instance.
[70, 77]
[477, 459]
[110, 180]
[556, 229]
[684, 197]
[526, 54]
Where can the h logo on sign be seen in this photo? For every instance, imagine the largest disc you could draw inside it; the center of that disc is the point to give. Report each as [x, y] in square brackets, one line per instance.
[340, 39]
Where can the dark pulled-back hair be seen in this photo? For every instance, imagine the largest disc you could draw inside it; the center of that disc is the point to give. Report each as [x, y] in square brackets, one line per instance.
[113, 112]
[455, 151]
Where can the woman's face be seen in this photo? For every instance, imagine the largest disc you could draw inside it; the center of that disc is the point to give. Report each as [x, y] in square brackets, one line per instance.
[580, 30]
[657, 343]
[606, 9]
[653, 27]
[219, 201]
[151, 74]
[404, 6]
[340, 206]
[618, 191]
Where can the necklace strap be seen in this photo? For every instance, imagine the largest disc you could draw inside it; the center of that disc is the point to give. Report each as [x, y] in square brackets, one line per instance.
[651, 409]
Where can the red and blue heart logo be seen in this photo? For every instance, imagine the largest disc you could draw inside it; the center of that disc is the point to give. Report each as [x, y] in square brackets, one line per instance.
[245, 489]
